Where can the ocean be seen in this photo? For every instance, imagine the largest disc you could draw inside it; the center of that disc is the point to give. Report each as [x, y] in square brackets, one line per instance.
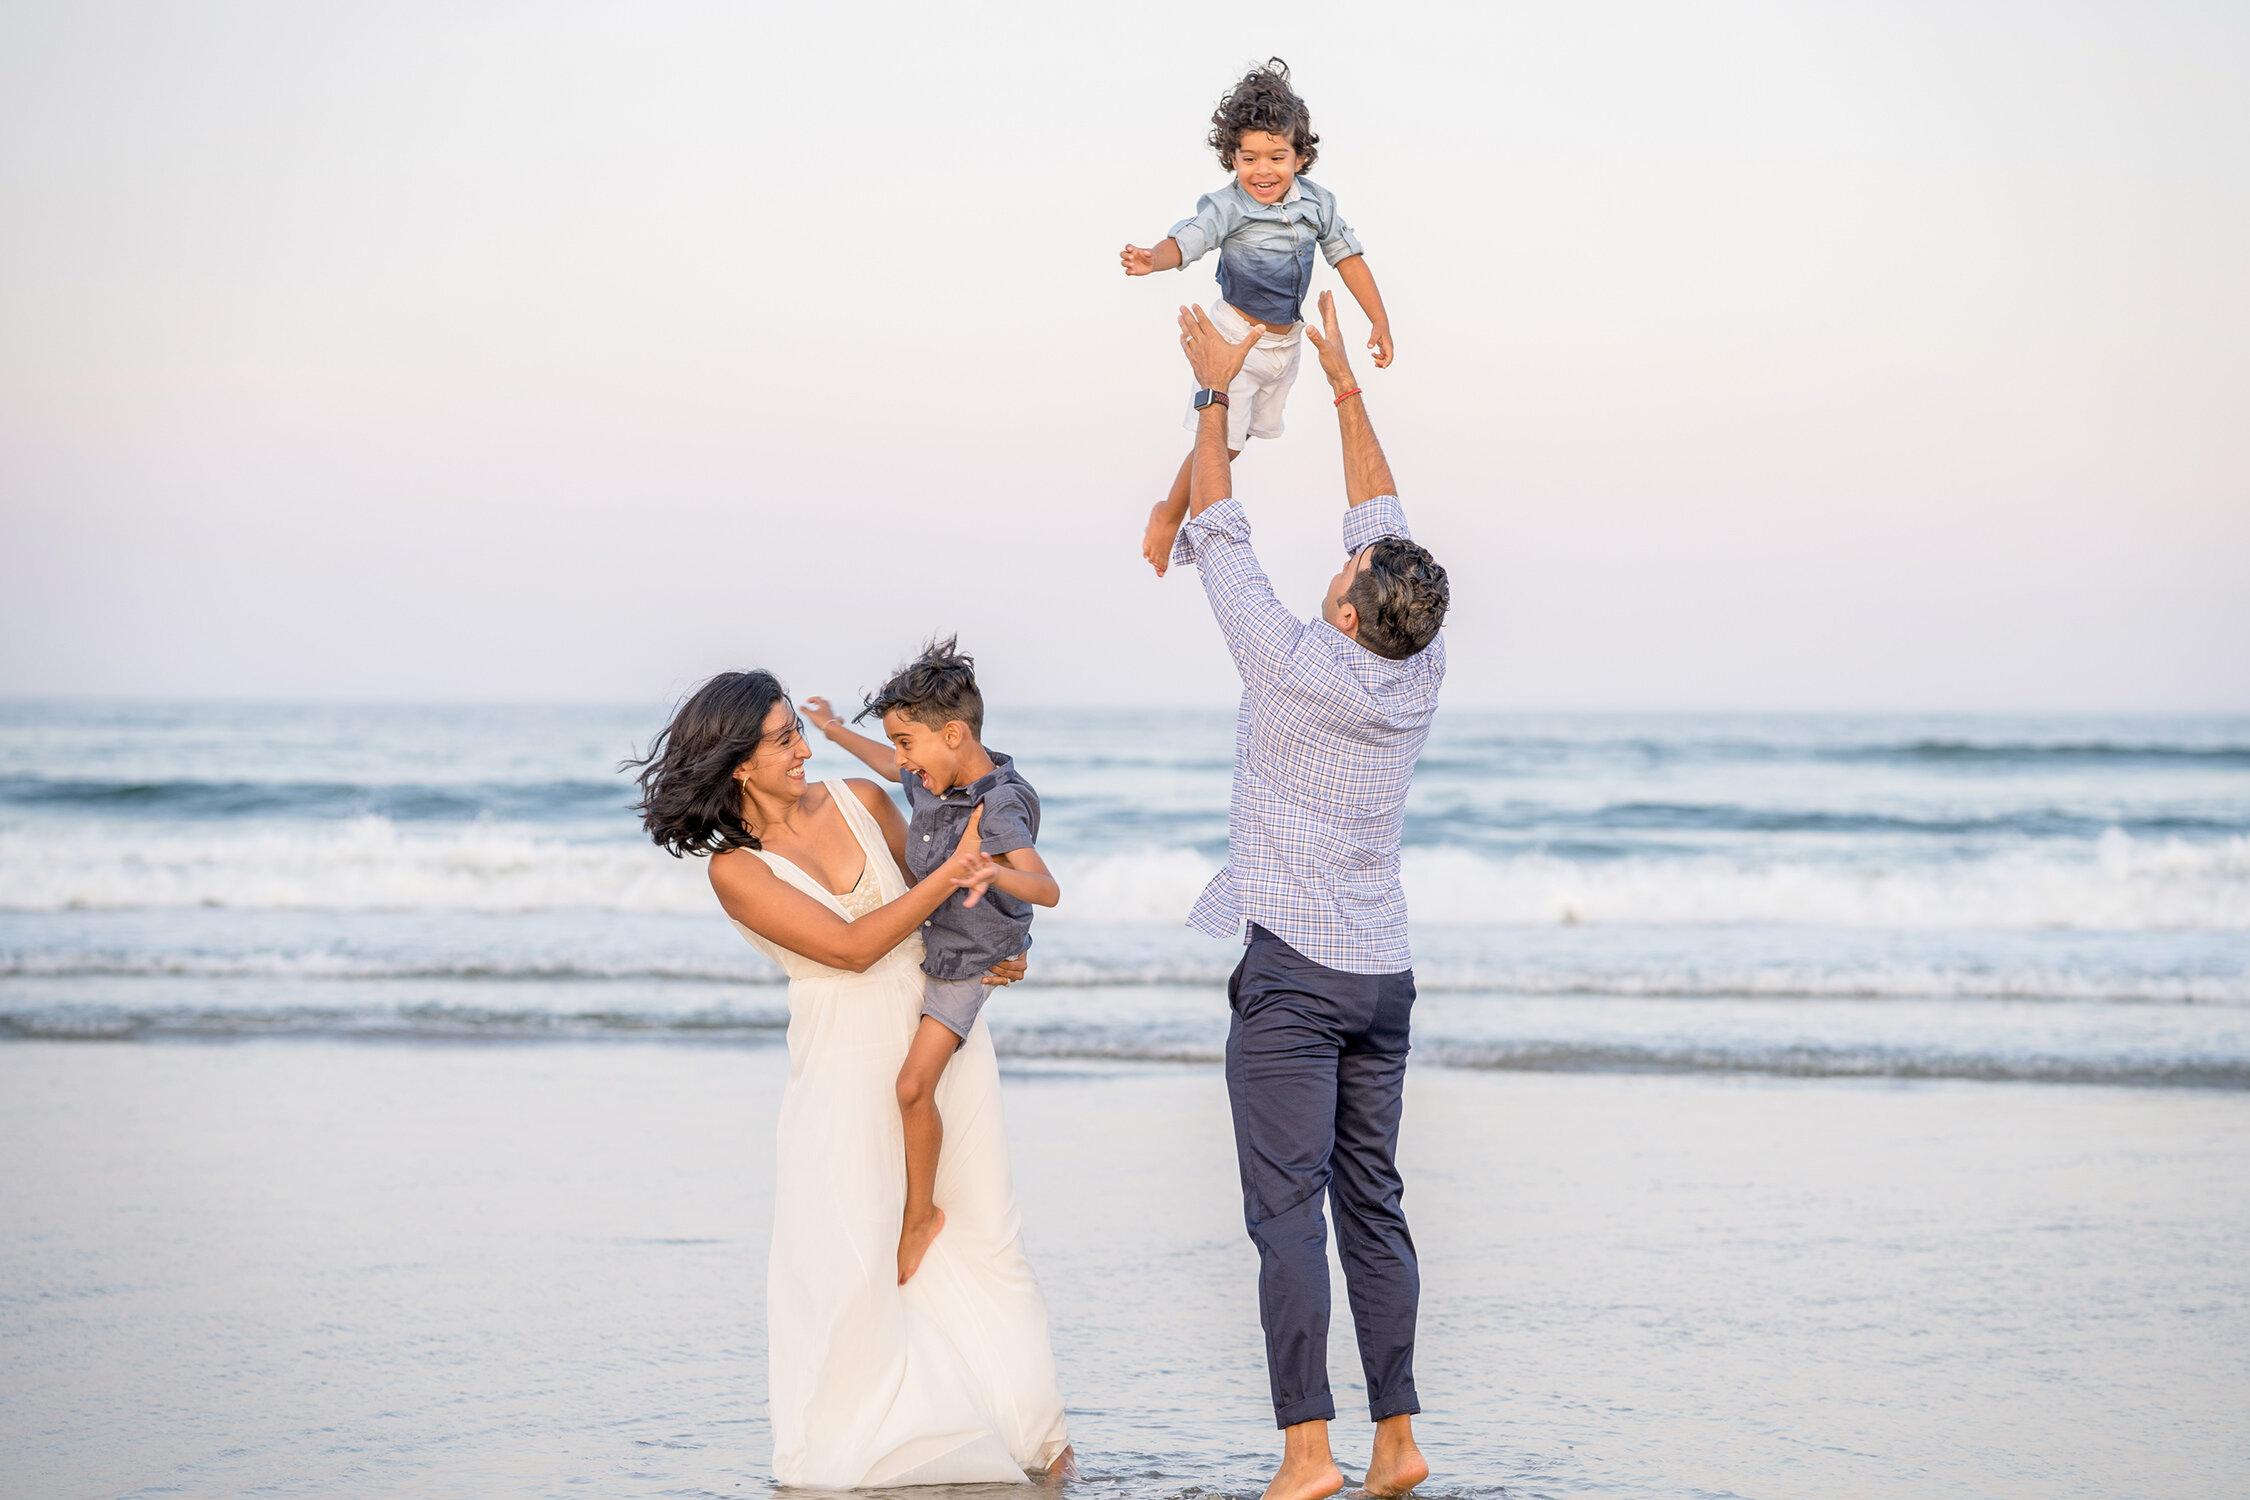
[1803, 1107]
[2060, 900]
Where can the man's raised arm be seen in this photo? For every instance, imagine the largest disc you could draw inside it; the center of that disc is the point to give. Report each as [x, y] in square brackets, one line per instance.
[1260, 632]
[1366, 473]
[1215, 362]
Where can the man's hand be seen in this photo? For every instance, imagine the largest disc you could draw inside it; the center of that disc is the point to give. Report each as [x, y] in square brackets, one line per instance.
[1138, 262]
[1333, 362]
[1215, 361]
[823, 715]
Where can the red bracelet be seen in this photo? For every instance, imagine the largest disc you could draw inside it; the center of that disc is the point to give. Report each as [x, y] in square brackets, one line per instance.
[1340, 400]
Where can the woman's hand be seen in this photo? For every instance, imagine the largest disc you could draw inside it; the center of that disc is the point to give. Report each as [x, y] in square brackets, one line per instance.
[1215, 361]
[1137, 262]
[1333, 362]
[1007, 971]
[979, 873]
[970, 866]
[823, 715]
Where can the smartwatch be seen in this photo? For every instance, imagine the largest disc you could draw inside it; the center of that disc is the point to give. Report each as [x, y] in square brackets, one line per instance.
[1209, 398]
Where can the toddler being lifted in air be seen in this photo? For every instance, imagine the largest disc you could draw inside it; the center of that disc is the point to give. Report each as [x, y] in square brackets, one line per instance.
[1264, 225]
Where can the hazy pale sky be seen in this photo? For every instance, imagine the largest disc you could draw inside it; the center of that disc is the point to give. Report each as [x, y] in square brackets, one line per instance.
[1750, 355]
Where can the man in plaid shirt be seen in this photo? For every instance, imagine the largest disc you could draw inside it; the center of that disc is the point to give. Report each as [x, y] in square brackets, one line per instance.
[1333, 717]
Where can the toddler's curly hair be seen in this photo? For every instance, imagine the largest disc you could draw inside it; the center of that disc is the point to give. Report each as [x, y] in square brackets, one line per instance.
[1263, 100]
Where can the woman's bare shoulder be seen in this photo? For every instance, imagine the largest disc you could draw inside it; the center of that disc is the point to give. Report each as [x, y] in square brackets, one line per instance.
[738, 869]
[871, 795]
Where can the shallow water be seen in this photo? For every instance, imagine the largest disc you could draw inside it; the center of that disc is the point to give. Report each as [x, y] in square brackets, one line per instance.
[312, 1267]
[2061, 900]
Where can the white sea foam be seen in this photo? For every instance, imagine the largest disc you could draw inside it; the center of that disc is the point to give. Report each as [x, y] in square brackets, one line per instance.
[2115, 883]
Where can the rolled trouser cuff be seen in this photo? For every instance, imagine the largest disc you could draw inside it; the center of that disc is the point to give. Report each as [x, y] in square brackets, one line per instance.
[1320, 1408]
[1397, 1404]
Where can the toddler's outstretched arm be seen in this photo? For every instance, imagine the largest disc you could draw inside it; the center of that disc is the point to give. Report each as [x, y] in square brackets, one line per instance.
[1362, 283]
[880, 758]
[1164, 257]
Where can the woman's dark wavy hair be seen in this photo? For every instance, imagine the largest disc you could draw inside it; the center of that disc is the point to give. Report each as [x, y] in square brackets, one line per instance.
[690, 803]
[1263, 100]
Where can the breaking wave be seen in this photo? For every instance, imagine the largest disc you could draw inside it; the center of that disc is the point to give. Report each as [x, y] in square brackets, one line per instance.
[2116, 882]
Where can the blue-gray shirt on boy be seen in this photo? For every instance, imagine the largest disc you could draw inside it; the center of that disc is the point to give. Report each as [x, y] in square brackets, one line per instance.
[961, 941]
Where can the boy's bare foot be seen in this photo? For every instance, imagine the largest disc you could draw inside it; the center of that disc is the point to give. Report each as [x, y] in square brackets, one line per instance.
[1064, 1467]
[1156, 544]
[914, 1240]
[1397, 1465]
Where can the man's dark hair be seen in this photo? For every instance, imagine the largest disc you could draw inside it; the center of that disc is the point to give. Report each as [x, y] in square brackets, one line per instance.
[690, 802]
[935, 688]
[1263, 100]
[1401, 596]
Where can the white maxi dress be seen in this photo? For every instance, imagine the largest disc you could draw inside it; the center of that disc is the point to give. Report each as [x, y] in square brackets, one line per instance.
[949, 1379]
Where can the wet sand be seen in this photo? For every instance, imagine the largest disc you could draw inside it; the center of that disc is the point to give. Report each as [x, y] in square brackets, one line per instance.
[312, 1267]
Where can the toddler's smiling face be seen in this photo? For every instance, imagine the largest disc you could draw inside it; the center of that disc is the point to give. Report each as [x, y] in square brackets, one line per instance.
[1265, 164]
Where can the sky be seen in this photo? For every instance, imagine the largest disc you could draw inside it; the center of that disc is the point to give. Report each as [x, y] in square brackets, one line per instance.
[1750, 356]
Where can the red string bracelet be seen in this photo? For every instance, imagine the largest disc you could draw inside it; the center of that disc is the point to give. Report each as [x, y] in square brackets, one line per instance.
[1340, 400]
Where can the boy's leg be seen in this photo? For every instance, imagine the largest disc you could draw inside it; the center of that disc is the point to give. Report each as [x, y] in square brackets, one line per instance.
[1281, 1082]
[932, 1048]
[1169, 515]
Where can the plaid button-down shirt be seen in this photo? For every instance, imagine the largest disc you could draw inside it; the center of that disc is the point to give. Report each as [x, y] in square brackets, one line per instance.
[1324, 751]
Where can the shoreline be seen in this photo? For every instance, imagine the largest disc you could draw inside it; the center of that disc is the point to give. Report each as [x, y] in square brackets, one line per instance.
[2158, 1044]
[436, 1268]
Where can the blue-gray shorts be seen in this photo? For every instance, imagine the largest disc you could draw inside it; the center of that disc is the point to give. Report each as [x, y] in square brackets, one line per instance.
[954, 1003]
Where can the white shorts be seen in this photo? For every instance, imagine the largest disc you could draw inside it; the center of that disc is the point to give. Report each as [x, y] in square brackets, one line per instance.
[1255, 399]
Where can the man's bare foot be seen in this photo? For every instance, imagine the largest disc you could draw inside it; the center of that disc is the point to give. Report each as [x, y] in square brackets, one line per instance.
[1064, 1467]
[1397, 1465]
[1312, 1479]
[1308, 1468]
[914, 1239]
[1156, 543]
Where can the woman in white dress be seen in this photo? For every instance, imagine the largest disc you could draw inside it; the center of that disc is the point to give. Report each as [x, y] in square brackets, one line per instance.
[949, 1379]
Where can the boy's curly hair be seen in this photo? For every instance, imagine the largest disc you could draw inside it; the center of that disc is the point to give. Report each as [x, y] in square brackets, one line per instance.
[1263, 100]
[938, 686]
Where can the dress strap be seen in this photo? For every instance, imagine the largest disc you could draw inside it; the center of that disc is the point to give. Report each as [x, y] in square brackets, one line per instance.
[871, 841]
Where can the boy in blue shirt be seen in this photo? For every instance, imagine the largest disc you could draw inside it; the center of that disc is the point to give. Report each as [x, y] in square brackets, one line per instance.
[1264, 225]
[933, 717]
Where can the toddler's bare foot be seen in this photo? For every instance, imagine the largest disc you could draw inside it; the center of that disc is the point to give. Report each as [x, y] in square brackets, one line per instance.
[914, 1239]
[1397, 1465]
[1156, 545]
[1311, 1480]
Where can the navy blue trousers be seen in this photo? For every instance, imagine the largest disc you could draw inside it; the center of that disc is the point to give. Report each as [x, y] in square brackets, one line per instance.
[1316, 1060]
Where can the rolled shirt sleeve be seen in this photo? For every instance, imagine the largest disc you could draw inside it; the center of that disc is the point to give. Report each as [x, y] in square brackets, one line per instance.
[1337, 241]
[1369, 522]
[1197, 236]
[1259, 629]
[1007, 823]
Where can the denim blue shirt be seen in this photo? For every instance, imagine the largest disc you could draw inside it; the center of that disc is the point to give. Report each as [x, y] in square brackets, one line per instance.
[1265, 249]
